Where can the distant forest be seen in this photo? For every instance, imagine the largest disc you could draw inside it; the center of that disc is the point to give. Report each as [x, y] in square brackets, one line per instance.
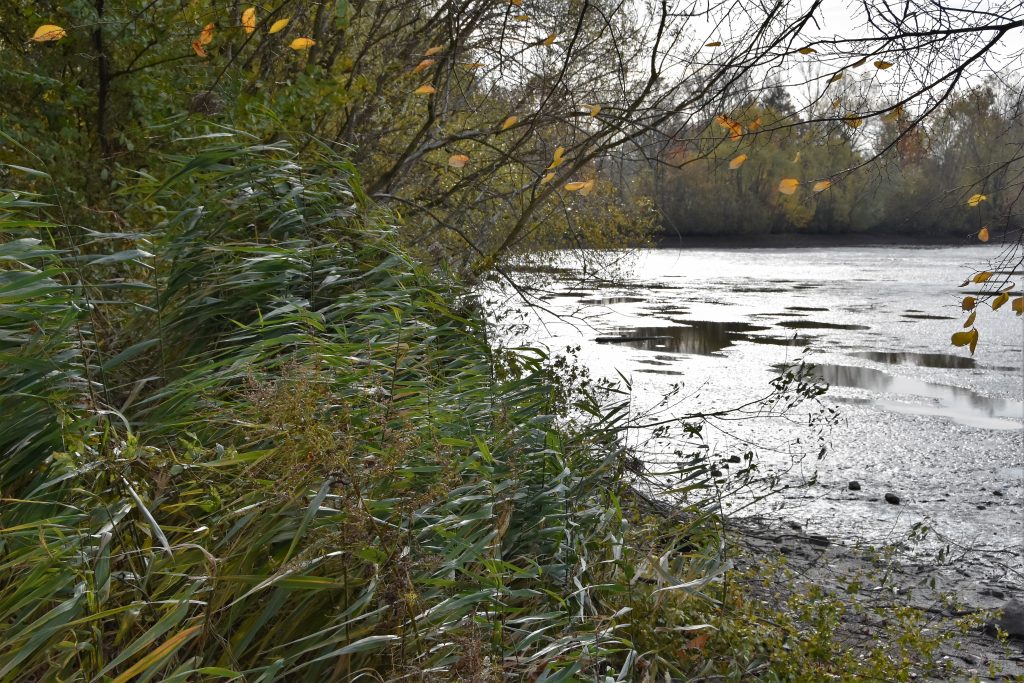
[707, 184]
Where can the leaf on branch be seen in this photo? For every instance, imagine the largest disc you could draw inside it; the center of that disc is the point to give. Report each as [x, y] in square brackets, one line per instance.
[198, 48]
[1000, 300]
[968, 303]
[974, 340]
[882, 64]
[575, 187]
[436, 50]
[517, 3]
[796, 159]
[983, 235]
[836, 103]
[550, 40]
[424, 65]
[509, 122]
[425, 89]
[713, 43]
[807, 51]
[860, 62]
[206, 35]
[734, 127]
[970, 319]
[983, 276]
[837, 76]
[48, 32]
[853, 121]
[522, 17]
[961, 338]
[249, 20]
[1018, 305]
[547, 178]
[302, 44]
[473, 65]
[788, 185]
[458, 160]
[976, 199]
[595, 109]
[278, 26]
[558, 157]
[737, 162]
[754, 125]
[821, 185]
[895, 114]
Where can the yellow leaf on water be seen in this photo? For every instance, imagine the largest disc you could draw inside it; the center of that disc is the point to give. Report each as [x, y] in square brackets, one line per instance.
[206, 35]
[788, 185]
[968, 303]
[278, 26]
[249, 20]
[961, 338]
[713, 43]
[737, 162]
[1018, 305]
[509, 122]
[48, 32]
[882, 64]
[807, 51]
[821, 185]
[458, 160]
[550, 40]
[436, 50]
[558, 157]
[425, 89]
[424, 65]
[970, 319]
[547, 178]
[976, 199]
[595, 109]
[198, 48]
[983, 235]
[983, 276]
[302, 43]
[1000, 300]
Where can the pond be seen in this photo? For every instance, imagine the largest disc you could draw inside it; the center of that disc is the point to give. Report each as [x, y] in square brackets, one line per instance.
[919, 418]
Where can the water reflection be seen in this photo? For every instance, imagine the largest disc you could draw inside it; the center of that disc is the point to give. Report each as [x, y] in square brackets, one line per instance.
[816, 325]
[961, 405]
[610, 300]
[924, 360]
[696, 337]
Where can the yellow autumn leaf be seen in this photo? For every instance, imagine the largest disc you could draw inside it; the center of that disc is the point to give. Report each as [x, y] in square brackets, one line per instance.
[983, 276]
[737, 162]
[882, 64]
[983, 235]
[595, 109]
[821, 185]
[974, 340]
[788, 185]
[473, 65]
[558, 157]
[278, 26]
[796, 159]
[860, 62]
[198, 48]
[754, 125]
[48, 32]
[853, 121]
[961, 338]
[970, 319]
[517, 3]
[522, 17]
[547, 178]
[837, 76]
[249, 20]
[206, 35]
[895, 114]
[1000, 300]
[1018, 305]
[807, 51]
[836, 103]
[509, 122]
[302, 43]
[713, 43]
[573, 187]
[436, 50]
[550, 40]
[733, 126]
[425, 89]
[976, 199]
[424, 65]
[968, 303]
[587, 187]
[458, 160]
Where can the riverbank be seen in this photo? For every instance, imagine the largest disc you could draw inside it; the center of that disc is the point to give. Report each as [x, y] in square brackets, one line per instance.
[950, 608]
